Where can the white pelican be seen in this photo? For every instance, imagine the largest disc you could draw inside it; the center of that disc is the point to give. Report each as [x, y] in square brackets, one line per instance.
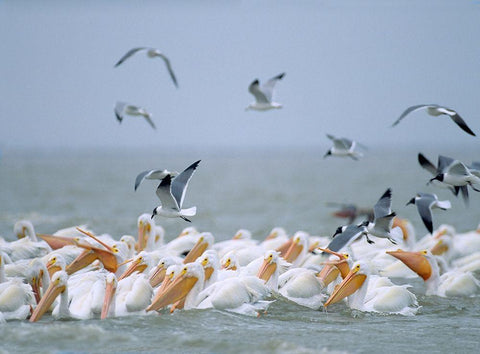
[276, 238]
[301, 286]
[298, 250]
[272, 266]
[16, 298]
[383, 296]
[157, 274]
[58, 286]
[451, 283]
[28, 245]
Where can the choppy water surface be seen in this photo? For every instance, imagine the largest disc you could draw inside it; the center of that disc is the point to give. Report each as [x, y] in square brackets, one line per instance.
[249, 190]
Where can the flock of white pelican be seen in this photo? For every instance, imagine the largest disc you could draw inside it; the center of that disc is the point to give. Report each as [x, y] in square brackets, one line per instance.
[75, 274]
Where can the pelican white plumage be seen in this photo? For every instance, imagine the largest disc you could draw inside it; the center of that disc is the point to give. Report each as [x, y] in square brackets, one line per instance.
[264, 94]
[370, 293]
[28, 246]
[151, 53]
[301, 286]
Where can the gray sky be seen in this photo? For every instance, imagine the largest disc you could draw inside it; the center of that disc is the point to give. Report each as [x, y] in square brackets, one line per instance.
[351, 68]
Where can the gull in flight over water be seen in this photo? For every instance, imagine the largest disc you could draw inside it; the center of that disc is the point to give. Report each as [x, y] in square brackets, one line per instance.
[436, 110]
[151, 53]
[264, 94]
[171, 193]
[153, 174]
[343, 147]
[425, 202]
[122, 108]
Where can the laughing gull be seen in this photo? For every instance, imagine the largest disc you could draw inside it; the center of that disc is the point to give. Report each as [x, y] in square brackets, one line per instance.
[122, 108]
[443, 163]
[153, 174]
[437, 110]
[264, 94]
[171, 193]
[425, 202]
[343, 147]
[345, 235]
[382, 223]
[151, 53]
[458, 175]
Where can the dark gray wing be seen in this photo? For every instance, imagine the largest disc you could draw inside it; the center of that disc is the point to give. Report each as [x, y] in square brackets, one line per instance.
[457, 168]
[150, 121]
[443, 163]
[424, 209]
[344, 239]
[457, 119]
[169, 68]
[165, 195]
[382, 208]
[180, 183]
[255, 90]
[119, 110]
[150, 174]
[410, 110]
[426, 164]
[267, 88]
[129, 54]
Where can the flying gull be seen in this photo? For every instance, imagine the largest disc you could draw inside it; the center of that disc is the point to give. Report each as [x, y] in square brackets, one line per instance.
[151, 53]
[436, 110]
[264, 94]
[343, 147]
[425, 202]
[122, 108]
[171, 193]
[458, 175]
[345, 235]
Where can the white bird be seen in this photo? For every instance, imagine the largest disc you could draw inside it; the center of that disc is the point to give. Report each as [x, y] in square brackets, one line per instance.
[425, 202]
[301, 286]
[343, 147]
[151, 53]
[122, 109]
[437, 110]
[371, 293]
[27, 246]
[172, 192]
[457, 174]
[264, 94]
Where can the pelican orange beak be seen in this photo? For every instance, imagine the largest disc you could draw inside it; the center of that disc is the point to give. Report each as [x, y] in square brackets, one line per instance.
[332, 268]
[36, 285]
[196, 251]
[158, 276]
[352, 282]
[416, 261]
[267, 269]
[228, 265]
[402, 224]
[440, 233]
[107, 257]
[56, 242]
[52, 267]
[142, 240]
[439, 248]
[82, 260]
[137, 265]
[54, 289]
[313, 246]
[237, 236]
[293, 251]
[177, 290]
[328, 274]
[110, 290]
[284, 248]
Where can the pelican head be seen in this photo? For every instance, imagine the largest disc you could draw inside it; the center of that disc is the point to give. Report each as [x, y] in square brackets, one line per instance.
[352, 282]
[57, 286]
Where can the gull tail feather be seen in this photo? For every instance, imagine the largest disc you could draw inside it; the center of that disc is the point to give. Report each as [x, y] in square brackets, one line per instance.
[189, 212]
[444, 204]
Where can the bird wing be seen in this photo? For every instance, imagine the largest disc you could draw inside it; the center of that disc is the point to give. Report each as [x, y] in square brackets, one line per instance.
[165, 195]
[385, 222]
[344, 143]
[424, 205]
[443, 163]
[150, 174]
[129, 54]
[267, 88]
[426, 164]
[255, 90]
[180, 183]
[458, 168]
[119, 110]
[342, 240]
[149, 120]
[382, 207]
[410, 110]
[169, 68]
[457, 119]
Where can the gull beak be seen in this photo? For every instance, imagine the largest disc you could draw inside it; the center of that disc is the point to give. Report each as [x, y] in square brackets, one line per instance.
[50, 295]
[293, 251]
[416, 261]
[56, 242]
[266, 270]
[196, 251]
[110, 290]
[352, 282]
[284, 248]
[177, 290]
[136, 265]
[158, 276]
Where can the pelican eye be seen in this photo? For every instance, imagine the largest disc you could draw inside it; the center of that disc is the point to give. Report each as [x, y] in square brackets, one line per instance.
[424, 252]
